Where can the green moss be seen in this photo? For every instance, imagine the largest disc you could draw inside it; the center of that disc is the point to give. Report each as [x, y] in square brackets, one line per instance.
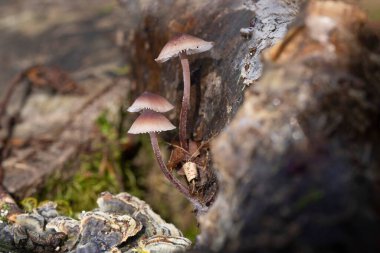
[106, 10]
[99, 170]
[81, 191]
[191, 232]
[141, 250]
[309, 198]
[122, 71]
[4, 212]
[28, 204]
[104, 168]
[5, 207]
[372, 7]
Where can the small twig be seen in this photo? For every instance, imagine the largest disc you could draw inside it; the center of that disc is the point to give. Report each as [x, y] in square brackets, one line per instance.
[179, 147]
[289, 37]
[187, 152]
[200, 147]
[6, 200]
[183, 189]
[9, 93]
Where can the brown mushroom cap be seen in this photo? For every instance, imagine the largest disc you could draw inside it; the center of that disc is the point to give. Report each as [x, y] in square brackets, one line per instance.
[150, 121]
[152, 102]
[183, 43]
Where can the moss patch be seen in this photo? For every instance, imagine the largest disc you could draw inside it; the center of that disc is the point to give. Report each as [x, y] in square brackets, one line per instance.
[116, 162]
[100, 169]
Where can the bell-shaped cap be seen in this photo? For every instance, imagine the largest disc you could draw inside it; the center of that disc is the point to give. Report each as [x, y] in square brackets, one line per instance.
[183, 43]
[150, 121]
[152, 102]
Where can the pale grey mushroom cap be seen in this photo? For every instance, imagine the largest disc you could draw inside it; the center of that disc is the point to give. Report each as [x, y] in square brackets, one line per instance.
[152, 102]
[150, 121]
[183, 43]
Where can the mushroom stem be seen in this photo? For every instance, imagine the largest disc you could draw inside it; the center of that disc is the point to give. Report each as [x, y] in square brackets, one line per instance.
[185, 101]
[184, 190]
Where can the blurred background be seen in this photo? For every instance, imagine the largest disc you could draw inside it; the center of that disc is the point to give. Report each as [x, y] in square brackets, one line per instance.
[81, 41]
[83, 44]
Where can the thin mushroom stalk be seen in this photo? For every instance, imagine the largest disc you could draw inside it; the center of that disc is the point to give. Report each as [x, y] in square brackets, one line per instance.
[184, 190]
[182, 46]
[151, 121]
[185, 101]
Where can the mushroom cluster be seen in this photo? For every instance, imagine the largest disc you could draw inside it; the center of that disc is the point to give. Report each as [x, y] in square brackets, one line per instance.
[152, 106]
[182, 46]
[152, 121]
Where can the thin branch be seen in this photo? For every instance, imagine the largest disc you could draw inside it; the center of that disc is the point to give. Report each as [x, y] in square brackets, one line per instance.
[9, 93]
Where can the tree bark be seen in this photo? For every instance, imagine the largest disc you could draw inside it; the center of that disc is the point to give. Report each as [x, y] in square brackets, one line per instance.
[299, 164]
[218, 77]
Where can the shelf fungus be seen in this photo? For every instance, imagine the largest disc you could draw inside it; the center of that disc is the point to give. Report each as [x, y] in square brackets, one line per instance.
[156, 235]
[122, 223]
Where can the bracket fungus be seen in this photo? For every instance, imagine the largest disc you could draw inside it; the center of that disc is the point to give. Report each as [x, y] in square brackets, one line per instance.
[152, 121]
[182, 46]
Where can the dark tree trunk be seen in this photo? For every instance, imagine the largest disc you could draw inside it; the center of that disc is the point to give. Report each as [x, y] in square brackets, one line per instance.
[219, 77]
[299, 164]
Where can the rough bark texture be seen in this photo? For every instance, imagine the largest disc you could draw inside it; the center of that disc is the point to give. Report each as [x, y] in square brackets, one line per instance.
[299, 164]
[218, 78]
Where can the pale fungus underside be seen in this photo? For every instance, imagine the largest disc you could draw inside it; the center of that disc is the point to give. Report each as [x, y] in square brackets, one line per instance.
[183, 44]
[151, 101]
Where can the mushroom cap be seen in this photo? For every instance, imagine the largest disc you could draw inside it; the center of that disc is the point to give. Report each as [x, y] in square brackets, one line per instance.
[152, 102]
[150, 121]
[183, 43]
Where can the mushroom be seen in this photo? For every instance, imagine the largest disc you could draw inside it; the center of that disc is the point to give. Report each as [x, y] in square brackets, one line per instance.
[150, 101]
[152, 122]
[182, 46]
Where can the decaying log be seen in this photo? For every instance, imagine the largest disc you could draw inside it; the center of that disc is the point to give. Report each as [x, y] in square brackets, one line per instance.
[299, 166]
[219, 77]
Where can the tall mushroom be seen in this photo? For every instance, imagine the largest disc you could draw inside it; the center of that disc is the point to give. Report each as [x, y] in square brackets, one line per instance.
[182, 46]
[152, 122]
